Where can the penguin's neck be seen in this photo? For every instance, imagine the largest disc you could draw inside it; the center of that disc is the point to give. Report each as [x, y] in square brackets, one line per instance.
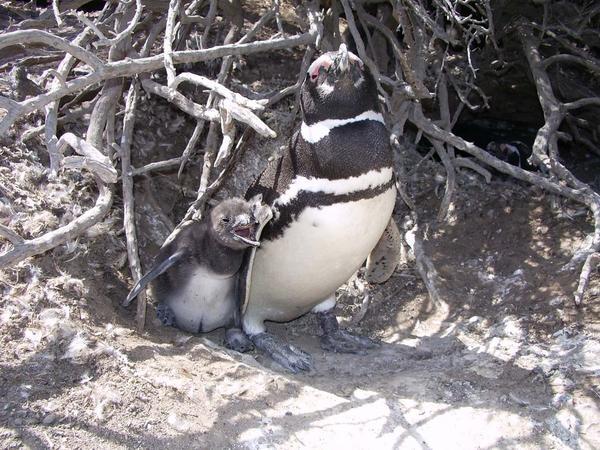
[221, 259]
[342, 148]
[313, 132]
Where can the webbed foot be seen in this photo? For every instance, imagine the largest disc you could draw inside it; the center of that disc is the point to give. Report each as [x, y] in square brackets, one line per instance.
[236, 339]
[341, 341]
[289, 357]
[165, 315]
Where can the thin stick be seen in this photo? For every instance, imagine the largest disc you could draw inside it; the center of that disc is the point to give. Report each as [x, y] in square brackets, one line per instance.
[590, 264]
[129, 200]
[189, 148]
[469, 163]
[174, 6]
[56, 12]
[63, 234]
[218, 88]
[195, 110]
[133, 67]
[156, 166]
[128, 30]
[450, 180]
[9, 234]
[91, 159]
[37, 36]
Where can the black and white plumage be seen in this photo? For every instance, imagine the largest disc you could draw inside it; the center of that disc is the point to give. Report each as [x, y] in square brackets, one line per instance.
[195, 274]
[332, 194]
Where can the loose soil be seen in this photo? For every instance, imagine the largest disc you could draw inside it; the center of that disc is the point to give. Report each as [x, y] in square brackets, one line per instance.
[504, 360]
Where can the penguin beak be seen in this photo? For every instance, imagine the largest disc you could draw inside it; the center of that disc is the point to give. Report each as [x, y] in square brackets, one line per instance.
[245, 232]
[342, 59]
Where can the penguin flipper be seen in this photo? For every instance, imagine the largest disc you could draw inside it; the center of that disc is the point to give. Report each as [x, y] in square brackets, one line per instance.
[157, 270]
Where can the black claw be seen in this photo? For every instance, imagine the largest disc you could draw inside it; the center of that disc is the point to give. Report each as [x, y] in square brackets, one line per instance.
[165, 315]
[236, 339]
[341, 341]
[287, 356]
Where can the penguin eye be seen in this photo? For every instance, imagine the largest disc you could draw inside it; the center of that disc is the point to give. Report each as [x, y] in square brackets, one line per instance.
[225, 219]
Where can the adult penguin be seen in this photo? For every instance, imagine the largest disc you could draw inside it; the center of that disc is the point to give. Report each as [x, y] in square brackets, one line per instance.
[332, 194]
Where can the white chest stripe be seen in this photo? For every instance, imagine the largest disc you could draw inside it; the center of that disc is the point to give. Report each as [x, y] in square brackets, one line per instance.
[317, 131]
[371, 179]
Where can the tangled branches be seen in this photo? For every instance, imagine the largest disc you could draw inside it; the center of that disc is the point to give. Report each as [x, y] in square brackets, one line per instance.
[425, 56]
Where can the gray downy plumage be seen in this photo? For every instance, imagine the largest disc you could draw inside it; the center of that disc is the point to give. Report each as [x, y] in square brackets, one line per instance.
[195, 275]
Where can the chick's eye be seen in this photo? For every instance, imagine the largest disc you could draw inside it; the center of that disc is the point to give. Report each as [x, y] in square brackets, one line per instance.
[225, 219]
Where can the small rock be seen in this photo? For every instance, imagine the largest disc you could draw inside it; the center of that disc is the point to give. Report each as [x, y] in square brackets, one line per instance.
[49, 419]
[561, 399]
[178, 423]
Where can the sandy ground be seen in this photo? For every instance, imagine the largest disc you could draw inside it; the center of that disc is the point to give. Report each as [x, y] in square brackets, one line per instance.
[504, 360]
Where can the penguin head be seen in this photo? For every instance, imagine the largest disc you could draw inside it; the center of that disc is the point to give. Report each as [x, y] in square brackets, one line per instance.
[338, 85]
[234, 225]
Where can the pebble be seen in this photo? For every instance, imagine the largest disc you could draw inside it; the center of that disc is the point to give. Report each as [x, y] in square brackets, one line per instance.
[49, 419]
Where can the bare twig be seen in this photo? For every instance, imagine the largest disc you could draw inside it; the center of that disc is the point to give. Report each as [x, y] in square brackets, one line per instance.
[219, 89]
[210, 17]
[193, 109]
[91, 159]
[64, 234]
[133, 67]
[248, 117]
[127, 31]
[450, 180]
[189, 148]
[128, 200]
[591, 262]
[228, 130]
[156, 166]
[174, 7]
[43, 37]
[56, 12]
[9, 234]
[469, 163]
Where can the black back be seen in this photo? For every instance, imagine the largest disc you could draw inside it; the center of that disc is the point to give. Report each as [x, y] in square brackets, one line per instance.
[347, 151]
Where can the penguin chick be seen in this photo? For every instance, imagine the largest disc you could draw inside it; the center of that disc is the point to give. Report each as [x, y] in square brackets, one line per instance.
[195, 274]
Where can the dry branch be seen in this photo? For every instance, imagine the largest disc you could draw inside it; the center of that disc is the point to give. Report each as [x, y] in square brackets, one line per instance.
[255, 105]
[128, 200]
[130, 67]
[43, 37]
[127, 31]
[9, 234]
[156, 166]
[195, 110]
[64, 234]
[174, 7]
[92, 159]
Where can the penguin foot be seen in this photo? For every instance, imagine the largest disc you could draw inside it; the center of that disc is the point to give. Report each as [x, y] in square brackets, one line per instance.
[165, 315]
[287, 356]
[236, 339]
[341, 341]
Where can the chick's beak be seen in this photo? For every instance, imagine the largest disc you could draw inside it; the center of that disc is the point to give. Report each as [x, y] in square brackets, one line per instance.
[245, 232]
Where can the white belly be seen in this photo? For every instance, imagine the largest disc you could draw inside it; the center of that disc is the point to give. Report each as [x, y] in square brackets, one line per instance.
[205, 304]
[316, 255]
